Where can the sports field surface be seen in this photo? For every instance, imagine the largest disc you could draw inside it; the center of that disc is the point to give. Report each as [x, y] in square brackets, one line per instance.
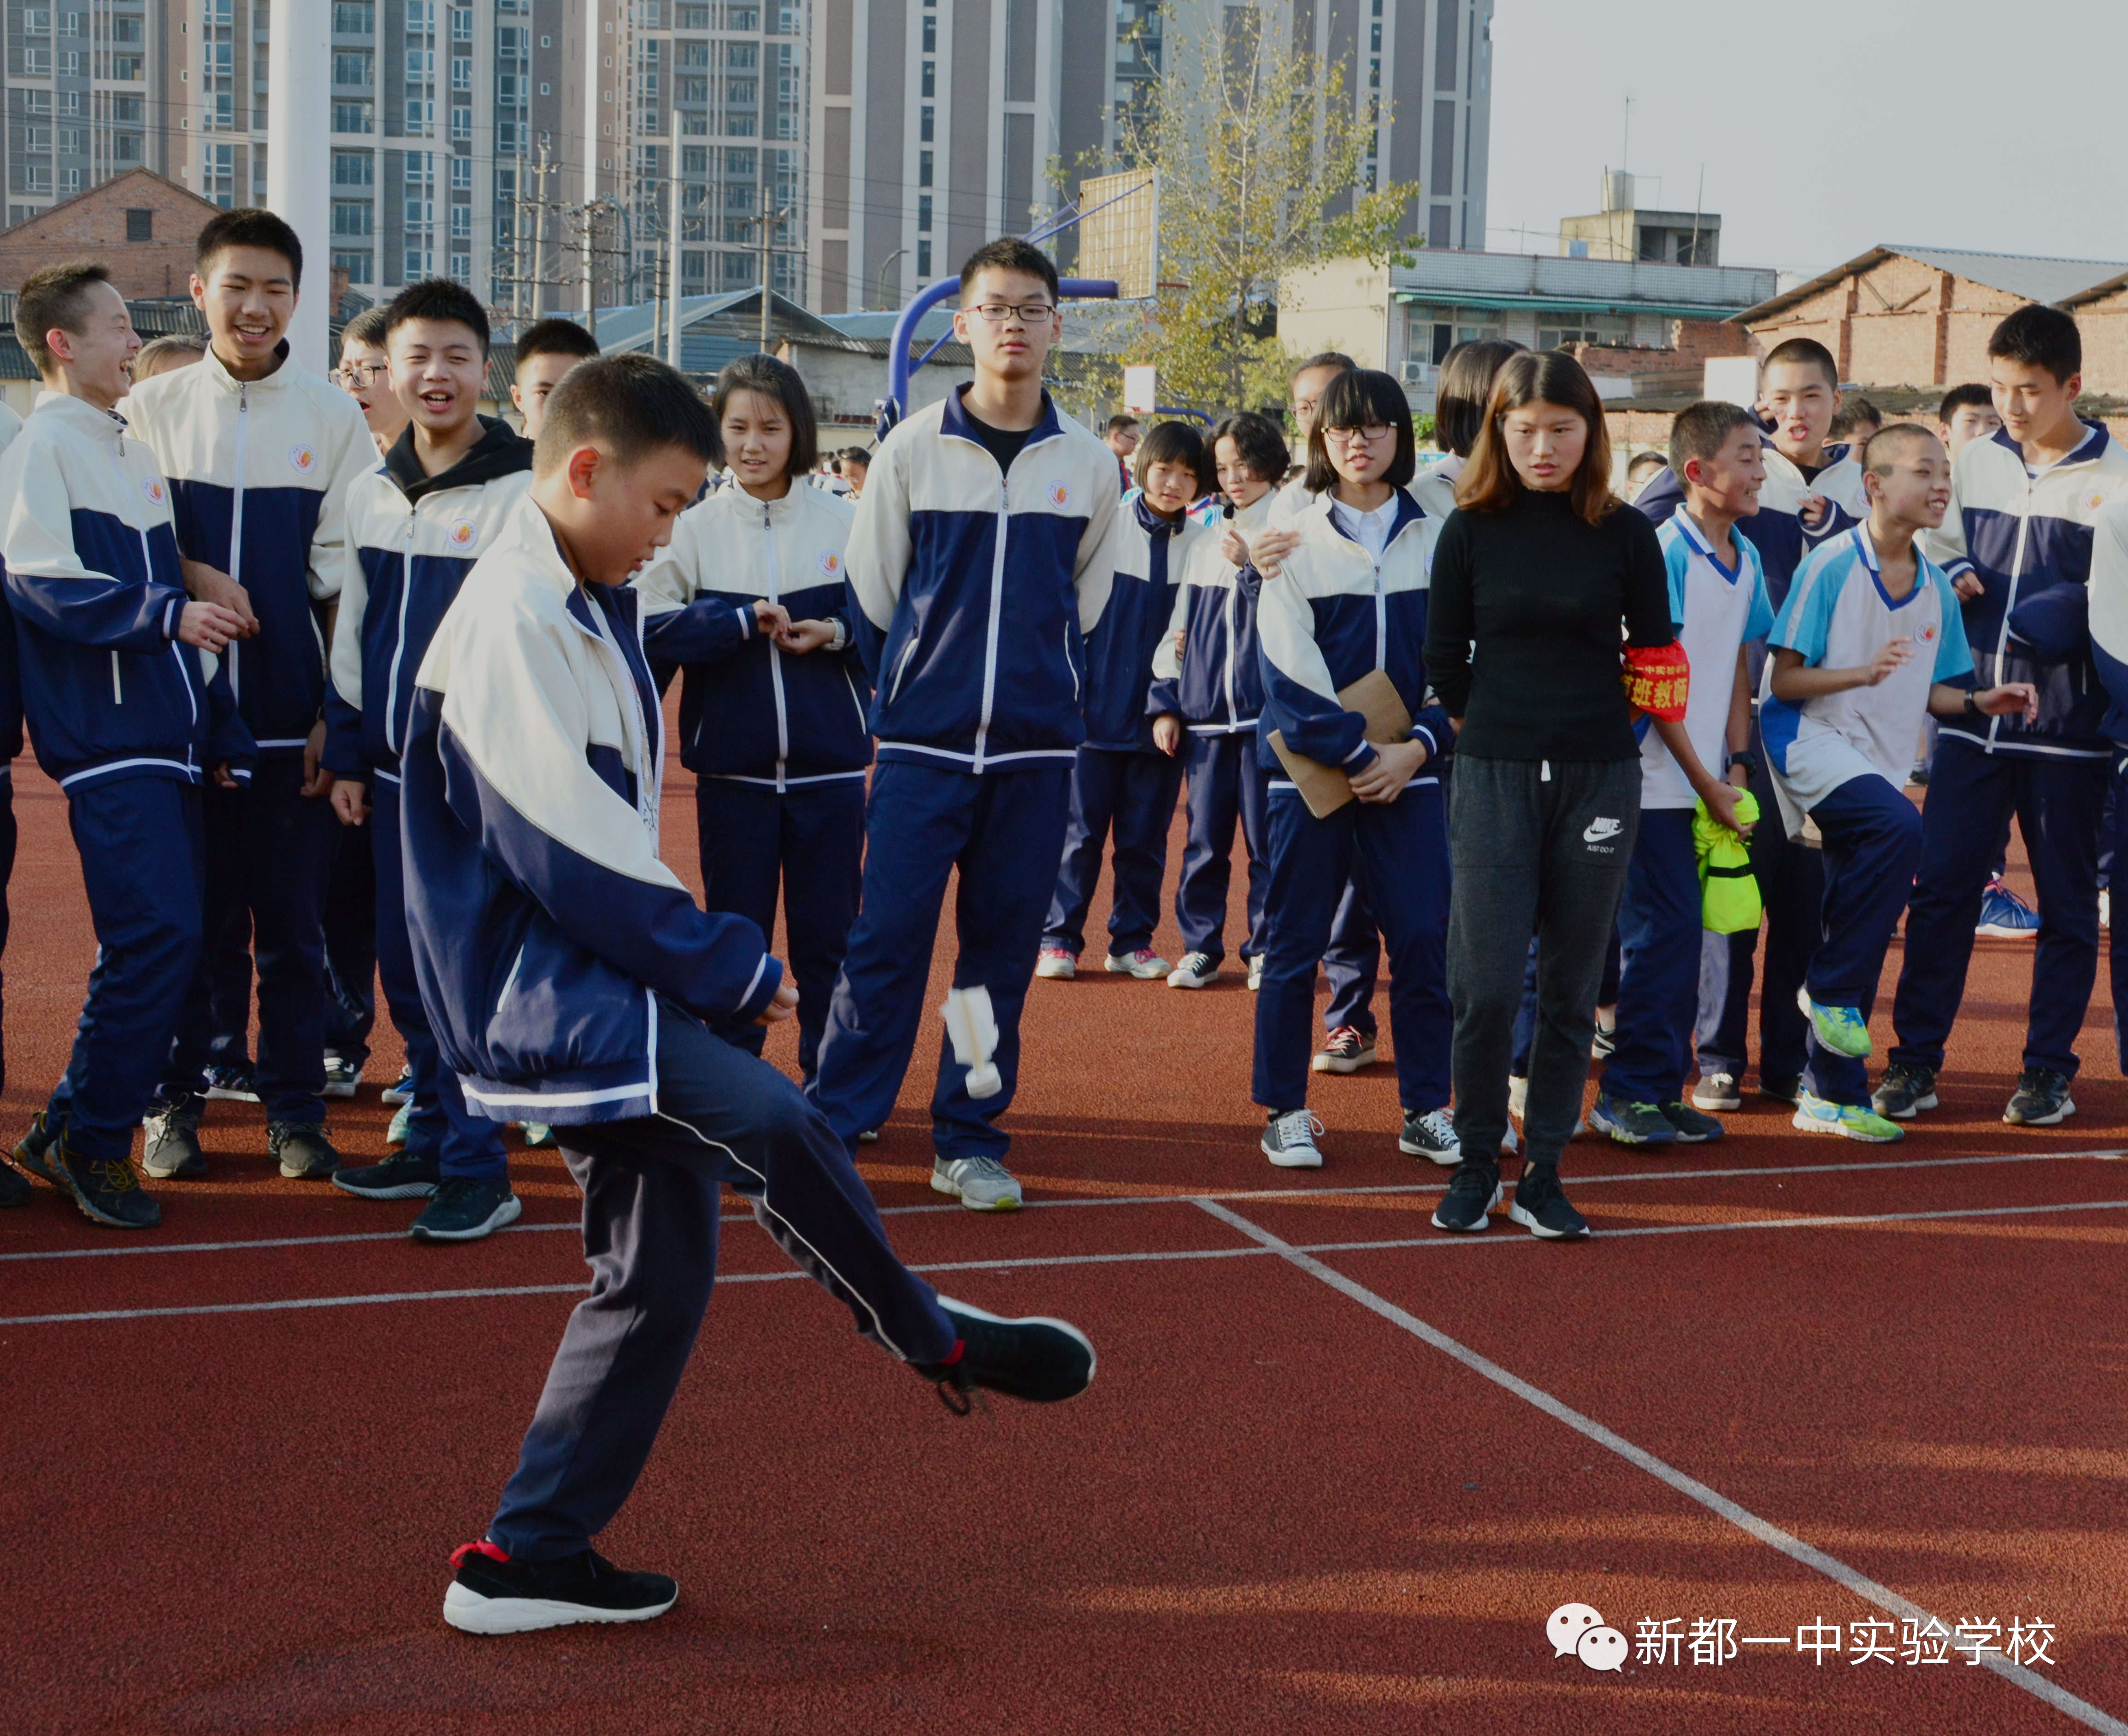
[1335, 1472]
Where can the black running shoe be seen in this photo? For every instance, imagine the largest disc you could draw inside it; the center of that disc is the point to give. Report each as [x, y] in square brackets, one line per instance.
[14, 1188]
[2042, 1099]
[1788, 1090]
[1041, 1361]
[1541, 1206]
[1693, 1127]
[1905, 1091]
[465, 1210]
[301, 1149]
[404, 1175]
[106, 1190]
[34, 1151]
[171, 1149]
[493, 1594]
[1473, 1192]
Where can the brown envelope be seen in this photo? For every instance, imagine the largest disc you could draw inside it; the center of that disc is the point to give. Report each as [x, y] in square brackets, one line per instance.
[1325, 788]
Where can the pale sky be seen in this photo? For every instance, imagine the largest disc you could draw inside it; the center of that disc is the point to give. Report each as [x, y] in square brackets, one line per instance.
[1826, 126]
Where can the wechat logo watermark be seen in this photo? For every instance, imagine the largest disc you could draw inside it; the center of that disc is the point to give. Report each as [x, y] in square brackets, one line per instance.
[1579, 1629]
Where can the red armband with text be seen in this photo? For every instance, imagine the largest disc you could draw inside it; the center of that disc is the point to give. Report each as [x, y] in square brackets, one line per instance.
[1657, 678]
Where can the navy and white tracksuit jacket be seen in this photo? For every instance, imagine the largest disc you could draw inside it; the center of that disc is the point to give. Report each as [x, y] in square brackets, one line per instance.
[1334, 613]
[411, 539]
[777, 741]
[975, 593]
[1121, 781]
[127, 719]
[2027, 537]
[1215, 687]
[545, 927]
[2107, 593]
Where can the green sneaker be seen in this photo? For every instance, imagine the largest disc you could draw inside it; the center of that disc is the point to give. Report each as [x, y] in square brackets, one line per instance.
[1842, 1029]
[1814, 1114]
[538, 1136]
[402, 1123]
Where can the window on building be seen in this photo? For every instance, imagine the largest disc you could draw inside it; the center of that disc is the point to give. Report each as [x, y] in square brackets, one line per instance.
[923, 168]
[930, 33]
[1556, 331]
[461, 24]
[140, 225]
[923, 259]
[926, 123]
[351, 68]
[351, 217]
[354, 117]
[356, 265]
[462, 173]
[353, 168]
[1431, 332]
[353, 18]
[461, 72]
[930, 79]
[923, 213]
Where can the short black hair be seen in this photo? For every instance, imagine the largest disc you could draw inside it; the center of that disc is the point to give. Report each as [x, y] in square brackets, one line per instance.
[1853, 414]
[632, 404]
[1463, 390]
[1326, 358]
[2039, 337]
[779, 380]
[438, 299]
[856, 455]
[1008, 252]
[249, 226]
[555, 337]
[1700, 430]
[1258, 444]
[54, 296]
[1802, 353]
[1174, 443]
[367, 327]
[1121, 420]
[1352, 399]
[1652, 459]
[1887, 443]
[1962, 397]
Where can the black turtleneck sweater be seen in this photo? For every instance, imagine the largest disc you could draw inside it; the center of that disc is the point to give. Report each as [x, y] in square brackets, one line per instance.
[1523, 622]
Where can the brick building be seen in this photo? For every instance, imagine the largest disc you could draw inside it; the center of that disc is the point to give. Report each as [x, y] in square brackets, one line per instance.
[1920, 317]
[139, 223]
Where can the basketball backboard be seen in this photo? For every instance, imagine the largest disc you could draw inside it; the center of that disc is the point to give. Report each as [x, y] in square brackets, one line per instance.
[1119, 231]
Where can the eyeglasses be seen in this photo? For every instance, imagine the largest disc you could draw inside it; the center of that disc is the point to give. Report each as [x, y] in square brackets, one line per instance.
[1370, 434]
[360, 373]
[998, 312]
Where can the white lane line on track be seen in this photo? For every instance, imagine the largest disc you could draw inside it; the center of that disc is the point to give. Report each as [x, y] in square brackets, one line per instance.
[1860, 1584]
[1133, 1258]
[1163, 1199]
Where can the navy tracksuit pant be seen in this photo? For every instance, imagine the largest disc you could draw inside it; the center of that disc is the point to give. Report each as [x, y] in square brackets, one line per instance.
[1351, 963]
[350, 932]
[466, 1143]
[144, 866]
[651, 1190]
[1227, 783]
[268, 853]
[1791, 878]
[808, 843]
[1397, 853]
[1005, 831]
[1661, 918]
[7, 835]
[1971, 794]
[1873, 840]
[1132, 794]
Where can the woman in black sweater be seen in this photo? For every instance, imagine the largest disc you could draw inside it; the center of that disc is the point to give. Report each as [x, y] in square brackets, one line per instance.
[1538, 577]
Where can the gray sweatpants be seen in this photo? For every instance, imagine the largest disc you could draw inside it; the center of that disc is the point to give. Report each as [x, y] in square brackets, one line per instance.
[1538, 848]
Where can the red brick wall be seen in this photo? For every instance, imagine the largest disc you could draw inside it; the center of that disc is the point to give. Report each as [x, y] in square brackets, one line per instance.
[92, 226]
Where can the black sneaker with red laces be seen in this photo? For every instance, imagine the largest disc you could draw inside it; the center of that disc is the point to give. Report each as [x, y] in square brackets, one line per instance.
[493, 1594]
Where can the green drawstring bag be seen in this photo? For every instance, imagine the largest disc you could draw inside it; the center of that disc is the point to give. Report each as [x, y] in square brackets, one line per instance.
[1729, 891]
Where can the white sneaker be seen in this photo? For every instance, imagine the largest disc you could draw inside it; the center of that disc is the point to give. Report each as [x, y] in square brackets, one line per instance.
[1290, 1140]
[981, 1184]
[1517, 1097]
[1255, 973]
[1717, 1091]
[1056, 965]
[1510, 1146]
[1145, 964]
[1197, 970]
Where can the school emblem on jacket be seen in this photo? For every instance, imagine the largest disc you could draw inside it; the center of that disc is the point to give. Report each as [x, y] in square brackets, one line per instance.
[831, 564]
[303, 459]
[461, 534]
[1926, 635]
[152, 488]
[1059, 496]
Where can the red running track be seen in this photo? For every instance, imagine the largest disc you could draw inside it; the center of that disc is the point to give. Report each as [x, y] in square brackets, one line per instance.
[1337, 1490]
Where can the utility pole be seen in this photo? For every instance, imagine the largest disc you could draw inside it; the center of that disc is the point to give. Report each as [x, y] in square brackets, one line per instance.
[673, 281]
[539, 239]
[591, 266]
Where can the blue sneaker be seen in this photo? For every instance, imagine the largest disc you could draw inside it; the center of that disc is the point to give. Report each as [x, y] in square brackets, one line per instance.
[2005, 916]
[1842, 1029]
[1814, 1114]
[1631, 1123]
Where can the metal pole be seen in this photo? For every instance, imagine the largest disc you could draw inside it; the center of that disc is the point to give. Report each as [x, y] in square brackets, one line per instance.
[299, 161]
[767, 235]
[539, 241]
[672, 263]
[883, 264]
[591, 267]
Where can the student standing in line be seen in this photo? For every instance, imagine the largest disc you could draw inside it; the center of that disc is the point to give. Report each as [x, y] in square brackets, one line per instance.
[748, 599]
[983, 553]
[259, 453]
[2020, 525]
[571, 978]
[160, 355]
[128, 719]
[1717, 603]
[547, 349]
[364, 373]
[1535, 573]
[1208, 689]
[415, 529]
[1812, 491]
[1349, 599]
[857, 461]
[1870, 635]
[1966, 413]
[1122, 440]
[1123, 776]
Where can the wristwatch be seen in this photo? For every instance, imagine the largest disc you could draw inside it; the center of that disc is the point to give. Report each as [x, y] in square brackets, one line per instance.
[1972, 703]
[1745, 760]
[842, 636]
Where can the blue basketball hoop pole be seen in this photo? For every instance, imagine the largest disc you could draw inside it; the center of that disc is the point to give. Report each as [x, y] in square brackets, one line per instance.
[898, 366]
